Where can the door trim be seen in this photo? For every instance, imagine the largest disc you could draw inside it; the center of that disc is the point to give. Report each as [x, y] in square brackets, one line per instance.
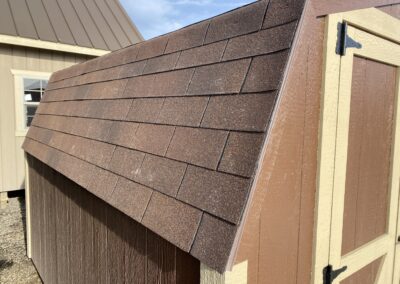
[375, 22]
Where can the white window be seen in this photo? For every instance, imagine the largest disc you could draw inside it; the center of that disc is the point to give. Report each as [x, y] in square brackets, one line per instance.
[33, 92]
[29, 89]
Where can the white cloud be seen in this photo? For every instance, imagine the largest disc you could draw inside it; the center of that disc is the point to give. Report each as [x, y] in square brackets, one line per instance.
[156, 17]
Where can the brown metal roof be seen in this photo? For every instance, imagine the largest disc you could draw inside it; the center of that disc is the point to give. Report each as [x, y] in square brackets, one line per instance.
[169, 131]
[100, 24]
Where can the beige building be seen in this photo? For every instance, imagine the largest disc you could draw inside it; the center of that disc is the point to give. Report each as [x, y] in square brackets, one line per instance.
[36, 39]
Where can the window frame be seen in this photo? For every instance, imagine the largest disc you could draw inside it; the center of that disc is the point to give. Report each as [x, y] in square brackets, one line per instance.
[20, 117]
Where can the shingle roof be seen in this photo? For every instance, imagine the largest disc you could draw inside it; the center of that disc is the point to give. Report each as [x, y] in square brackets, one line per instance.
[100, 24]
[170, 130]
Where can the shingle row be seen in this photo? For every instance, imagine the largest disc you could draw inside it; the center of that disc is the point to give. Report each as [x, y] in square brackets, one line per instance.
[231, 112]
[265, 42]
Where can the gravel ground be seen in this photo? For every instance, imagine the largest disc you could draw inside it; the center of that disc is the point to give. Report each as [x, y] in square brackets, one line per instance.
[15, 267]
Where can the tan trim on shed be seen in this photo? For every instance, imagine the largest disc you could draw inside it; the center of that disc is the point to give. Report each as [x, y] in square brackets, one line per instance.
[238, 275]
[54, 46]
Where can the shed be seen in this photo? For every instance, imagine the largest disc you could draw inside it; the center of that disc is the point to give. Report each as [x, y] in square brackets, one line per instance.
[259, 146]
[37, 38]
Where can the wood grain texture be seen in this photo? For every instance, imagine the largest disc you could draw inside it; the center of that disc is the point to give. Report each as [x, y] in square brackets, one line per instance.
[369, 153]
[78, 238]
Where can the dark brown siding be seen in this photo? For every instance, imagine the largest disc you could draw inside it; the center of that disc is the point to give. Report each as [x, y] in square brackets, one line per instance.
[277, 239]
[78, 238]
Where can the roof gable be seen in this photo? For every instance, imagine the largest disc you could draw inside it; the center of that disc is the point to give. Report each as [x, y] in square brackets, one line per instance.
[169, 131]
[99, 24]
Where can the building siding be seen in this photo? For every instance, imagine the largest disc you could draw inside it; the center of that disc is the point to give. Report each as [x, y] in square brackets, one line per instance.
[78, 238]
[12, 169]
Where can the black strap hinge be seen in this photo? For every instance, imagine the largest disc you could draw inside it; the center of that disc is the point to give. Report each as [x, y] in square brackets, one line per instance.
[330, 274]
[344, 41]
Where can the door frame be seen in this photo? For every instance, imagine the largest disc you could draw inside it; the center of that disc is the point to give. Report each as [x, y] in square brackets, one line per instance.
[380, 24]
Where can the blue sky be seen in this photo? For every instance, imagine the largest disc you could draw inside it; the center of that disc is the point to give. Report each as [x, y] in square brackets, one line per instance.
[156, 17]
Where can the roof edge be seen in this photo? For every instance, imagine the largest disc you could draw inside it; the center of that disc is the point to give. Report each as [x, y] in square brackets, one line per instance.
[236, 245]
[48, 45]
[133, 25]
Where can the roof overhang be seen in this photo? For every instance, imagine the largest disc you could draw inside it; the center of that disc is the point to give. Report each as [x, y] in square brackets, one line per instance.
[34, 43]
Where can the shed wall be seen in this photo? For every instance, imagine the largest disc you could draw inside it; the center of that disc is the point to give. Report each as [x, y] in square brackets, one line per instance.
[78, 238]
[12, 168]
[279, 230]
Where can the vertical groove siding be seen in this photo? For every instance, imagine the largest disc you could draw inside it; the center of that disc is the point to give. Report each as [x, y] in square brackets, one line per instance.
[12, 169]
[78, 238]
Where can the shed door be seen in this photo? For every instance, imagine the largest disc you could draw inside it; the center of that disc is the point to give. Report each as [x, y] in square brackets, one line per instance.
[364, 161]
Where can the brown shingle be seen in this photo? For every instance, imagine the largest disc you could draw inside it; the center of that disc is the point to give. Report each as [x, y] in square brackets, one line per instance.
[132, 69]
[153, 138]
[263, 42]
[206, 54]
[161, 63]
[80, 92]
[161, 174]
[238, 22]
[241, 153]
[131, 198]
[152, 48]
[122, 133]
[126, 162]
[79, 126]
[249, 112]
[98, 129]
[188, 37]
[145, 110]
[173, 220]
[80, 171]
[102, 75]
[172, 83]
[214, 242]
[183, 111]
[107, 90]
[103, 183]
[115, 109]
[112, 59]
[266, 72]
[96, 108]
[202, 147]
[131, 52]
[282, 11]
[92, 151]
[217, 193]
[219, 78]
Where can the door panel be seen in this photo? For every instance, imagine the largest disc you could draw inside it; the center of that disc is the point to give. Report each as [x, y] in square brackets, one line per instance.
[366, 159]
[369, 153]
[359, 159]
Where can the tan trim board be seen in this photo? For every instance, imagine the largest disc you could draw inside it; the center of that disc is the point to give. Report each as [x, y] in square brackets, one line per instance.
[238, 275]
[326, 150]
[374, 21]
[27, 210]
[20, 41]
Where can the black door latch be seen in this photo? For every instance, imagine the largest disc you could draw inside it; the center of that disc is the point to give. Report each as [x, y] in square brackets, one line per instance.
[330, 274]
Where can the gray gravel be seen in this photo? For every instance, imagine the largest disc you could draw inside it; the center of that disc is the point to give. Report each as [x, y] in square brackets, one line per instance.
[15, 267]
